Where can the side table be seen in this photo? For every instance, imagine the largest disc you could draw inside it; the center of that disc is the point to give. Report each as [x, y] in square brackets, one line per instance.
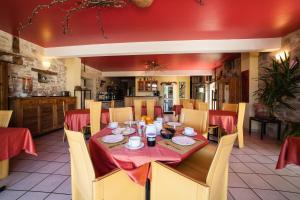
[264, 122]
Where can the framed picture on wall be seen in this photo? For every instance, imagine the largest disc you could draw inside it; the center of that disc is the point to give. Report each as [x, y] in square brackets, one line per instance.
[182, 86]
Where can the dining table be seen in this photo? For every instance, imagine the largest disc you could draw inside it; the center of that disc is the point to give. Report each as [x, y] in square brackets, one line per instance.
[137, 163]
[12, 142]
[289, 152]
[79, 118]
[227, 120]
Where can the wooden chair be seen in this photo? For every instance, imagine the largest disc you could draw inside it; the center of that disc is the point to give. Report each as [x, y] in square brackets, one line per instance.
[150, 108]
[201, 105]
[240, 124]
[137, 109]
[197, 119]
[95, 117]
[113, 104]
[87, 103]
[5, 116]
[65, 125]
[230, 107]
[186, 103]
[202, 176]
[85, 185]
[120, 115]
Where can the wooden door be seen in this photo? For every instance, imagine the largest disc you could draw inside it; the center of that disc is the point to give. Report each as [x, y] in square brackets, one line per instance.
[3, 86]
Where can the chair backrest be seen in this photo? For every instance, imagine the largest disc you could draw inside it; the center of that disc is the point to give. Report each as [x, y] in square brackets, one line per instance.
[95, 116]
[186, 103]
[230, 107]
[240, 124]
[150, 108]
[87, 103]
[120, 114]
[217, 177]
[113, 104]
[82, 170]
[201, 105]
[197, 119]
[137, 108]
[5, 116]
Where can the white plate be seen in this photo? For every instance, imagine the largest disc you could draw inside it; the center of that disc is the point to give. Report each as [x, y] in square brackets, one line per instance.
[174, 124]
[190, 134]
[183, 140]
[123, 131]
[134, 148]
[112, 138]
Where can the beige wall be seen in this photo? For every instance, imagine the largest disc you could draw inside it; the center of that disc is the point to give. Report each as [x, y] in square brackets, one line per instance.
[73, 75]
[161, 79]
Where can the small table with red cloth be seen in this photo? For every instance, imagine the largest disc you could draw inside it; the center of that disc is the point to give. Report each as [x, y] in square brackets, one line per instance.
[177, 109]
[77, 119]
[289, 153]
[12, 142]
[136, 163]
[226, 120]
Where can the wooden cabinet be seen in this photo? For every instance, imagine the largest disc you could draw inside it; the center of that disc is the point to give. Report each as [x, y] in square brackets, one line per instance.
[40, 114]
[3, 86]
[147, 85]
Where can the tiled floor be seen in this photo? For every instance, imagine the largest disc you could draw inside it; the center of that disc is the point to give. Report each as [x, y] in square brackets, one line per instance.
[252, 173]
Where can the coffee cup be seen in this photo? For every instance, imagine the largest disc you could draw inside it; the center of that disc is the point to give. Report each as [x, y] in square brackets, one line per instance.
[188, 131]
[134, 141]
[113, 125]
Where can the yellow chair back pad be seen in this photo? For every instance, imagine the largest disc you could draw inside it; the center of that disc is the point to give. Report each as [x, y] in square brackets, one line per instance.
[87, 103]
[95, 116]
[137, 108]
[197, 119]
[201, 105]
[81, 165]
[150, 108]
[230, 107]
[5, 116]
[217, 177]
[240, 124]
[120, 115]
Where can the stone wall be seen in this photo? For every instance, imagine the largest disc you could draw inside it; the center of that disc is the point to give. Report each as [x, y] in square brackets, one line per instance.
[32, 58]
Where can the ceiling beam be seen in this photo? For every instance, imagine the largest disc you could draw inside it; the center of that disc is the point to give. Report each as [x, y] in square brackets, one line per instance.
[166, 47]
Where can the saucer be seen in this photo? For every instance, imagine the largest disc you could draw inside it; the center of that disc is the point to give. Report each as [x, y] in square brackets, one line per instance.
[134, 148]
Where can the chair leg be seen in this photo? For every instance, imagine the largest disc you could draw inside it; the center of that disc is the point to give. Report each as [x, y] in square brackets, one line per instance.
[64, 136]
[4, 168]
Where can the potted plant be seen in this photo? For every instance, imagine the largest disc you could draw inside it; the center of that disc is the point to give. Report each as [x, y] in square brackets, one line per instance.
[281, 82]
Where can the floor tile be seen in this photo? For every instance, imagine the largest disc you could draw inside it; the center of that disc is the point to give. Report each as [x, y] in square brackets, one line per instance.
[233, 158]
[249, 151]
[34, 196]
[63, 158]
[243, 194]
[269, 194]
[254, 181]
[245, 158]
[283, 171]
[29, 182]
[259, 168]
[13, 178]
[65, 187]
[235, 181]
[294, 180]
[50, 183]
[11, 195]
[291, 196]
[280, 183]
[229, 196]
[64, 170]
[27, 165]
[50, 168]
[262, 159]
[47, 156]
[58, 197]
[240, 167]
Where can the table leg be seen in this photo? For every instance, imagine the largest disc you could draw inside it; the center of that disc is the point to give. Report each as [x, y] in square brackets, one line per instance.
[250, 126]
[279, 130]
[147, 189]
[263, 130]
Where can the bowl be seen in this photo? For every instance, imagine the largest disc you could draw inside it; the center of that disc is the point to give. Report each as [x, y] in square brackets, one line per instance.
[167, 133]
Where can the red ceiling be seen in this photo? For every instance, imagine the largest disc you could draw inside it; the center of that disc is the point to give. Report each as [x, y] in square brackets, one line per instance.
[169, 62]
[164, 20]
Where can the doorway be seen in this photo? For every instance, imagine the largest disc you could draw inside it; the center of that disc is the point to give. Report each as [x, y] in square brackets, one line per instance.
[168, 98]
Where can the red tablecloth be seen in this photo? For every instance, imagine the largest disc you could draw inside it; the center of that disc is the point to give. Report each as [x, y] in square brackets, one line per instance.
[289, 153]
[177, 109]
[77, 119]
[135, 163]
[224, 119]
[13, 141]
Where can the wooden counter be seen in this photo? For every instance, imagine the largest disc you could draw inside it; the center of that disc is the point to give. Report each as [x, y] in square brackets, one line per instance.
[40, 114]
[129, 100]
